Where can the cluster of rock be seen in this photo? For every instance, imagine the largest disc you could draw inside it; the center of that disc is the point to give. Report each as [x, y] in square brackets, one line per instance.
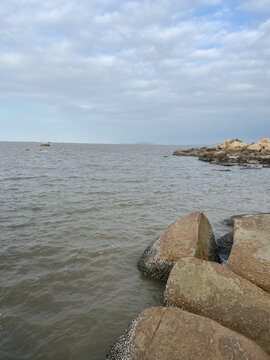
[210, 311]
[232, 151]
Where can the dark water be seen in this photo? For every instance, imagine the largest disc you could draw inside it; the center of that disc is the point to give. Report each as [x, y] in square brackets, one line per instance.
[75, 219]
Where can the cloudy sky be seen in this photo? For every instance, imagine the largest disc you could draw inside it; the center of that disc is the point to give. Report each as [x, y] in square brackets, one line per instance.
[120, 71]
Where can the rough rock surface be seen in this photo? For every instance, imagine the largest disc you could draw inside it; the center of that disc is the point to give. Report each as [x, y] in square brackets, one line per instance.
[254, 147]
[211, 290]
[191, 235]
[230, 221]
[232, 152]
[250, 255]
[172, 334]
[224, 245]
[226, 143]
[236, 146]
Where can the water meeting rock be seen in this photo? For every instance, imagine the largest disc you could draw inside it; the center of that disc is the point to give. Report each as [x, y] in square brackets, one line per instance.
[161, 333]
[250, 255]
[211, 290]
[191, 235]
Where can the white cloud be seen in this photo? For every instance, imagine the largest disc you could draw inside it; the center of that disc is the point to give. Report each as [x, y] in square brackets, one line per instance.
[258, 5]
[115, 57]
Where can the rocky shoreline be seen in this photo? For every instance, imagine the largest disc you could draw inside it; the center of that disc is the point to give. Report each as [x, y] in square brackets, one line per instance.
[210, 311]
[232, 152]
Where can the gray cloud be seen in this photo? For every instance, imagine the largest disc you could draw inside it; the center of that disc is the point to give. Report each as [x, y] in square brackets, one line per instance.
[115, 71]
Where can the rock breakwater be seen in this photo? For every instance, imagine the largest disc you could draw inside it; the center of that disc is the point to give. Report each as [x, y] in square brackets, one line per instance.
[210, 311]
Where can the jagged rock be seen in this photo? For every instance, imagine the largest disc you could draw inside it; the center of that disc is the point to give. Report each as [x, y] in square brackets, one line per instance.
[224, 245]
[161, 333]
[231, 152]
[186, 152]
[236, 146]
[264, 141]
[226, 143]
[191, 235]
[254, 147]
[250, 255]
[212, 290]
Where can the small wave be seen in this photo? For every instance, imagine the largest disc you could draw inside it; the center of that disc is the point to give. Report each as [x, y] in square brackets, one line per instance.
[18, 178]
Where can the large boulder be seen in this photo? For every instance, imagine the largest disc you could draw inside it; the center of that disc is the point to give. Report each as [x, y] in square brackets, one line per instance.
[191, 235]
[236, 146]
[211, 290]
[254, 147]
[265, 143]
[226, 143]
[161, 333]
[250, 255]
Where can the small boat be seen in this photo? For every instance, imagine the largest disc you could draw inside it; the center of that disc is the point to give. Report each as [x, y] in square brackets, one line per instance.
[45, 144]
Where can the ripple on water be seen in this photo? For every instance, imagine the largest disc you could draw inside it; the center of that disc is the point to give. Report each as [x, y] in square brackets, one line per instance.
[75, 221]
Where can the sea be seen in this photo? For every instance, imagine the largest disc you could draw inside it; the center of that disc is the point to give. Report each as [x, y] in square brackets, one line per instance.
[75, 219]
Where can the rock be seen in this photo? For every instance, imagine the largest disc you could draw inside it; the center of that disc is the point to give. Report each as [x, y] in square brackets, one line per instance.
[227, 142]
[229, 221]
[254, 147]
[191, 235]
[224, 245]
[211, 148]
[236, 146]
[211, 290]
[264, 141]
[45, 144]
[250, 255]
[214, 156]
[186, 152]
[161, 333]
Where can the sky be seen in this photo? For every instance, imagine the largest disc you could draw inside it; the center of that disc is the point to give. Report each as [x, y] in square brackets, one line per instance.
[115, 71]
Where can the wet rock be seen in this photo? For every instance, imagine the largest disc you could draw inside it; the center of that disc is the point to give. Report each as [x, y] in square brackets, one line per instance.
[161, 333]
[230, 221]
[216, 156]
[186, 152]
[211, 290]
[191, 235]
[250, 255]
[224, 245]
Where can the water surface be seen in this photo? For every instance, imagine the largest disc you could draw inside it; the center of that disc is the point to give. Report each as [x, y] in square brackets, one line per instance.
[74, 220]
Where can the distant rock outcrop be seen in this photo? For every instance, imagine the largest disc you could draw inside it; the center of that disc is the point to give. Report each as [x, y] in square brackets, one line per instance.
[231, 152]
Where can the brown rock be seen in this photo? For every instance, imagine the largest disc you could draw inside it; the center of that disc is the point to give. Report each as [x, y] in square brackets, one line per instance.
[161, 333]
[226, 143]
[191, 235]
[236, 146]
[254, 147]
[265, 144]
[186, 152]
[250, 255]
[264, 141]
[211, 290]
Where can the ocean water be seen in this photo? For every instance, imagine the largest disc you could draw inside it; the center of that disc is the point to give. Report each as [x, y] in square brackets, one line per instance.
[75, 218]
